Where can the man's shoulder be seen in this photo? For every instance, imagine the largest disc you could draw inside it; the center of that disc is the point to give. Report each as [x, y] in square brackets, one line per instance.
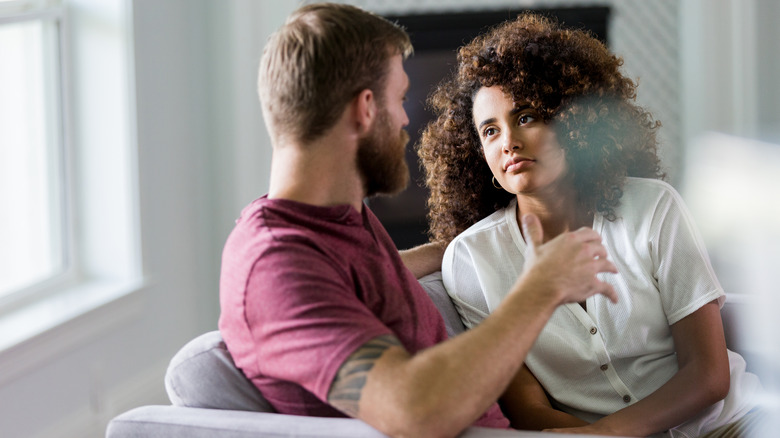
[271, 222]
[258, 229]
[270, 243]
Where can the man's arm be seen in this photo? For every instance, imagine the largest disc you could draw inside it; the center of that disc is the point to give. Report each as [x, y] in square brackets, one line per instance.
[345, 391]
[423, 259]
[442, 390]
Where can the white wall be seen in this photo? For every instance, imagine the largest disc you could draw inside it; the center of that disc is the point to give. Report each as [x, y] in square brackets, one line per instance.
[767, 51]
[730, 63]
[203, 154]
[240, 148]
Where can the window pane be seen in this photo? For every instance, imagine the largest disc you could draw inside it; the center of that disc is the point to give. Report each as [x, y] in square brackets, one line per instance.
[30, 216]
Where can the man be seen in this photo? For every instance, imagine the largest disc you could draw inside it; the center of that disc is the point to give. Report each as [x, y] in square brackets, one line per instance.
[318, 308]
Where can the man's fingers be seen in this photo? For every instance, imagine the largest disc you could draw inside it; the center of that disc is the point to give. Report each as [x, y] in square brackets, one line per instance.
[608, 291]
[604, 265]
[597, 250]
[579, 255]
[532, 228]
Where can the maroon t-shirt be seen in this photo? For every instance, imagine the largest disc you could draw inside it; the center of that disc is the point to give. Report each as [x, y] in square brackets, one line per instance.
[303, 287]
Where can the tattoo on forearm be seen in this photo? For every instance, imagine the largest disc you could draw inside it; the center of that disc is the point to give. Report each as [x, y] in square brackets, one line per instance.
[346, 388]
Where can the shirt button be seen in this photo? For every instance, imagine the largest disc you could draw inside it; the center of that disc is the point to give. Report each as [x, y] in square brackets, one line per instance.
[627, 398]
[604, 367]
[593, 330]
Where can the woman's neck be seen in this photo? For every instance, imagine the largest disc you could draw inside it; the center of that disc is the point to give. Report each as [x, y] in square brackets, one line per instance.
[556, 209]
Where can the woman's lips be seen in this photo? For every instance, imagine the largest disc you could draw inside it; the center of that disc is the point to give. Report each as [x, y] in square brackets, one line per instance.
[518, 164]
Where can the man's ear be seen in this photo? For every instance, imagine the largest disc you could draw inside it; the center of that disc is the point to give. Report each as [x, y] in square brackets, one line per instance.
[364, 110]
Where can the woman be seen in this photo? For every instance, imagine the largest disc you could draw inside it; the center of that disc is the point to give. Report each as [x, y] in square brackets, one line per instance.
[539, 119]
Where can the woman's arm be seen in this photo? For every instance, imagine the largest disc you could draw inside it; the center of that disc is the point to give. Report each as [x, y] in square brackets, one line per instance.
[527, 407]
[702, 380]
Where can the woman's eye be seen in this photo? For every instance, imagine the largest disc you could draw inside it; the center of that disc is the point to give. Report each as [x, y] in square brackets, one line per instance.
[525, 119]
[488, 132]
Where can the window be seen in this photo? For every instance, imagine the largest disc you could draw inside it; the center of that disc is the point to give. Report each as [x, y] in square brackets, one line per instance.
[32, 167]
[69, 217]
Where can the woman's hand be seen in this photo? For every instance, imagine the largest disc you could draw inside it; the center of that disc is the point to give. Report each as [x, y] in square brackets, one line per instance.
[527, 407]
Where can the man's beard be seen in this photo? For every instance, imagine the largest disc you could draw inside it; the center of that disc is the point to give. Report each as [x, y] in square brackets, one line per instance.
[381, 160]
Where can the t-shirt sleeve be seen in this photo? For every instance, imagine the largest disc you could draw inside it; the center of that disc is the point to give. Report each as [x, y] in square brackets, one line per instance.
[305, 316]
[681, 265]
[460, 278]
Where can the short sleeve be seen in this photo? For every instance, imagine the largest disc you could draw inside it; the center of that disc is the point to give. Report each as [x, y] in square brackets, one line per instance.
[681, 265]
[460, 278]
[305, 316]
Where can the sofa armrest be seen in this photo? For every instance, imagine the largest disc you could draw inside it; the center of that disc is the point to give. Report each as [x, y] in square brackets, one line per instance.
[183, 422]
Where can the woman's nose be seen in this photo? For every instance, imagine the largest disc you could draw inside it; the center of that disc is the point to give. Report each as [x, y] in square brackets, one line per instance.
[510, 142]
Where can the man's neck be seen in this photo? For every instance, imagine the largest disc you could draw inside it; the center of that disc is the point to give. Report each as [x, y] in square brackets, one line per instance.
[322, 173]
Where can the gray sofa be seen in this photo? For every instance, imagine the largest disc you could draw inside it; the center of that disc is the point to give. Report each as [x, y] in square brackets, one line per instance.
[211, 397]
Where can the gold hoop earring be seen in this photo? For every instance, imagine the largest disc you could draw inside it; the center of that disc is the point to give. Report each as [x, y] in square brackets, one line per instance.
[496, 184]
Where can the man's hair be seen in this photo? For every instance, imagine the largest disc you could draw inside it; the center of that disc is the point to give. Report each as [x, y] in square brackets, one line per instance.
[318, 61]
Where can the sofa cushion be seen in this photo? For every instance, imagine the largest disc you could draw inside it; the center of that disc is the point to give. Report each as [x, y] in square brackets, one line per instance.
[434, 286]
[203, 375]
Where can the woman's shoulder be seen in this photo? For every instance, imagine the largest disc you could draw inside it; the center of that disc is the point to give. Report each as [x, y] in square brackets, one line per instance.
[646, 192]
[646, 204]
[497, 222]
[648, 185]
[495, 219]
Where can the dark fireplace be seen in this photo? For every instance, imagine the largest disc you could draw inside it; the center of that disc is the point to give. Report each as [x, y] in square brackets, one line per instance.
[436, 37]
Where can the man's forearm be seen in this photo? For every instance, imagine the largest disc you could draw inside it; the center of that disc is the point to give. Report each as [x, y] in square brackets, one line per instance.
[444, 389]
[423, 259]
[441, 390]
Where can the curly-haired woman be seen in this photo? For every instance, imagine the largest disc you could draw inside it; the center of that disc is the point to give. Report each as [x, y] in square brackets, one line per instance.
[540, 120]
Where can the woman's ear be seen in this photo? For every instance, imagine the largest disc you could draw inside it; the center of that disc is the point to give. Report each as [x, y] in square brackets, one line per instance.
[364, 108]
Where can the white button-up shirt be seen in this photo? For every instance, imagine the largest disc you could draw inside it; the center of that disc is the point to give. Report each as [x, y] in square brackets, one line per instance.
[598, 361]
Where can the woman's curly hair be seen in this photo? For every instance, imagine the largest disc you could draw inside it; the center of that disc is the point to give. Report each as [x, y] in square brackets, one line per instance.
[572, 80]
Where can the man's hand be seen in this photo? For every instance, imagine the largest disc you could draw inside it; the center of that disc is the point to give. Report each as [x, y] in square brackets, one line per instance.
[568, 264]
